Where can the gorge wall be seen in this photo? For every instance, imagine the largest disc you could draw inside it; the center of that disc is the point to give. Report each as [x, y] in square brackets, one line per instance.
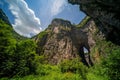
[105, 14]
[62, 40]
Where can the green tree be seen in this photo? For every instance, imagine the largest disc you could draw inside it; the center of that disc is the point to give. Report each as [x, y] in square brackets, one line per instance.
[7, 48]
[74, 66]
[112, 65]
[16, 58]
[26, 59]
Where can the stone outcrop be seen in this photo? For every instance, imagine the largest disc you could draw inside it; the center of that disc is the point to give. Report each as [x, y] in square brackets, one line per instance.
[63, 41]
[106, 14]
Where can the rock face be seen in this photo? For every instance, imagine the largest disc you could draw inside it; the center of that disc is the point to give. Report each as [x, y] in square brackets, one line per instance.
[106, 15]
[65, 41]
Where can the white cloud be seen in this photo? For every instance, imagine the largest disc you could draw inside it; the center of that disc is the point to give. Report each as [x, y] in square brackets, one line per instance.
[26, 22]
[57, 6]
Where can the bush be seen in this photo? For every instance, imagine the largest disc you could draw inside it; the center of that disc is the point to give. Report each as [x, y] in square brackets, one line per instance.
[74, 66]
[7, 49]
[26, 60]
[111, 64]
[16, 58]
[108, 66]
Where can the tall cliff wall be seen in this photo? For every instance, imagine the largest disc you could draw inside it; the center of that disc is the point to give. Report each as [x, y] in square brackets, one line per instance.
[106, 14]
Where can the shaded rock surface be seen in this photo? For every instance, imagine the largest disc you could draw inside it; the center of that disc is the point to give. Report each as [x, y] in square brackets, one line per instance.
[106, 14]
[65, 41]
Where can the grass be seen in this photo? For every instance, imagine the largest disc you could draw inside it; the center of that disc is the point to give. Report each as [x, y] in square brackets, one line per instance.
[50, 73]
[51, 76]
[83, 22]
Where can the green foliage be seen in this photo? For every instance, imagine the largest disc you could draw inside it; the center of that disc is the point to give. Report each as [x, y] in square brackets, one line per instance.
[41, 39]
[25, 58]
[74, 66]
[49, 72]
[7, 49]
[20, 59]
[92, 76]
[42, 34]
[111, 64]
[97, 72]
[108, 66]
[83, 22]
[52, 76]
[17, 58]
[18, 37]
[46, 69]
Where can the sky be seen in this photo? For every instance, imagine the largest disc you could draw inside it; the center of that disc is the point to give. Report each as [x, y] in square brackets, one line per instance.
[30, 17]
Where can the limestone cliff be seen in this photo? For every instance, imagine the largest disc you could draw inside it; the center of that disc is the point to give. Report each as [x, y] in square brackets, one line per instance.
[62, 40]
[105, 14]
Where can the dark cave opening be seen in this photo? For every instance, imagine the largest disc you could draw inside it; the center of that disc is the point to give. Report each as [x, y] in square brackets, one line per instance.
[85, 56]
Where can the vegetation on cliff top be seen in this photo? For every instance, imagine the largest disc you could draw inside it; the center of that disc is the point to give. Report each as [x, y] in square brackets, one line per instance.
[83, 22]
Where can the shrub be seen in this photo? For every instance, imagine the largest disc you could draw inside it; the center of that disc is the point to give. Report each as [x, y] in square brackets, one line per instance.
[26, 60]
[74, 66]
[111, 64]
[7, 49]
